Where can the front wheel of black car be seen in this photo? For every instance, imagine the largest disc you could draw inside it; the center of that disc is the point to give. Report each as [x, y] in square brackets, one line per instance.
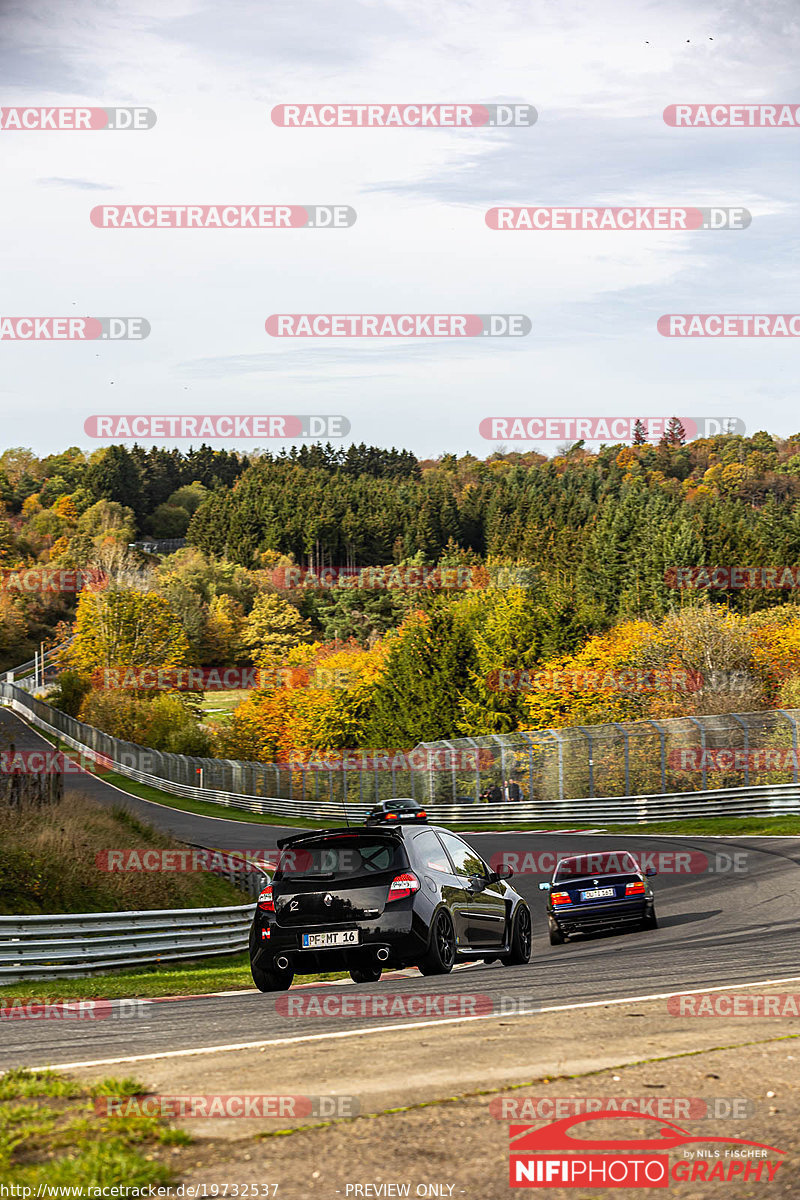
[520, 939]
[442, 950]
[556, 936]
[366, 974]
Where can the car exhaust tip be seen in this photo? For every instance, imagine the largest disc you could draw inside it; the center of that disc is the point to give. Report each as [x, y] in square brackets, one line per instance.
[382, 954]
[282, 963]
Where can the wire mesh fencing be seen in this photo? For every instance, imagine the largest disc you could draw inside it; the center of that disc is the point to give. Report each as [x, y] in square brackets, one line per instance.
[551, 773]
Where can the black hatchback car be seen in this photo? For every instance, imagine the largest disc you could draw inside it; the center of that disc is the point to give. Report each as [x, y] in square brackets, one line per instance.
[589, 893]
[399, 808]
[362, 900]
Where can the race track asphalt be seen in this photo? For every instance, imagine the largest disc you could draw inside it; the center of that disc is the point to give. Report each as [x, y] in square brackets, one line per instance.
[731, 919]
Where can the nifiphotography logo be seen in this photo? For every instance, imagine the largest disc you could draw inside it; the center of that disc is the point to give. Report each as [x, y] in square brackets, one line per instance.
[553, 1156]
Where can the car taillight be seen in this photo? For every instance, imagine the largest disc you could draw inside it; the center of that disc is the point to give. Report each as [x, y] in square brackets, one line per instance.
[391, 816]
[402, 886]
[561, 898]
[634, 889]
[421, 814]
[265, 901]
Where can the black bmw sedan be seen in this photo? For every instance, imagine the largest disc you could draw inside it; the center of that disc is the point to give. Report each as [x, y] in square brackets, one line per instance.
[400, 808]
[362, 900]
[589, 893]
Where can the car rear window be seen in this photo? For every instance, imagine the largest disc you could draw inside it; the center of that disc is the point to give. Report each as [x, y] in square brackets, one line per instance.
[610, 863]
[341, 858]
[400, 804]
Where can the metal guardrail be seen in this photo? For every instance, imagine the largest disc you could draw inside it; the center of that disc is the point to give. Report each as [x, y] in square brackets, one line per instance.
[74, 944]
[46, 667]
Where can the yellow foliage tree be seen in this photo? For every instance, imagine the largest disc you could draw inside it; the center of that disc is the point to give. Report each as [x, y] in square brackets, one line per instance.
[121, 629]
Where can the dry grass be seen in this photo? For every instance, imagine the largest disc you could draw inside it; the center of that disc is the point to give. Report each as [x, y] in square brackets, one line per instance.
[48, 863]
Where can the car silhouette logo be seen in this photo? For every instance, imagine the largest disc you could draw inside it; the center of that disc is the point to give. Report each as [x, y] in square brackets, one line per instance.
[558, 1136]
[328, 898]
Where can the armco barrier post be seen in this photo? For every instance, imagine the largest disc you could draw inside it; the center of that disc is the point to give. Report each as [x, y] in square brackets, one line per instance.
[626, 752]
[590, 742]
[663, 737]
[704, 775]
[530, 767]
[746, 747]
[793, 726]
[560, 768]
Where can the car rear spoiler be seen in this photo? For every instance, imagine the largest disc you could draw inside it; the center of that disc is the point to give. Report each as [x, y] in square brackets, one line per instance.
[389, 834]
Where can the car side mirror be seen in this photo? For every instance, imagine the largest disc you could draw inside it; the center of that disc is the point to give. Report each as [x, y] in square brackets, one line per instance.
[502, 872]
[650, 871]
[544, 887]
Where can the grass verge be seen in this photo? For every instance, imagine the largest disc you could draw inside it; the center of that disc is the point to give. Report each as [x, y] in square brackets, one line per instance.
[231, 973]
[53, 1131]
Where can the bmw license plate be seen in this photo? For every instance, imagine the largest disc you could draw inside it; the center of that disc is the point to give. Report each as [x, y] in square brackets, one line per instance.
[325, 941]
[598, 894]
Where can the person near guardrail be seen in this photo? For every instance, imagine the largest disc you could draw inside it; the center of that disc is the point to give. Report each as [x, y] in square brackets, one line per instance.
[512, 790]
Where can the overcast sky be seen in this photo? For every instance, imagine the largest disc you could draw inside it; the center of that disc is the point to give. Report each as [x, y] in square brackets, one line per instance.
[599, 74]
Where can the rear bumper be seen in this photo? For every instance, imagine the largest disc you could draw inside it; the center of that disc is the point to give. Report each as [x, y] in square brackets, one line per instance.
[587, 917]
[401, 935]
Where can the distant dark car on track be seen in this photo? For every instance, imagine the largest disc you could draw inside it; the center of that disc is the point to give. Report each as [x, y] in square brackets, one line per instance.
[362, 900]
[589, 893]
[399, 808]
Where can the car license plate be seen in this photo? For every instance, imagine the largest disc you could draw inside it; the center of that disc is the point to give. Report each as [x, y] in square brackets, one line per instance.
[323, 941]
[598, 894]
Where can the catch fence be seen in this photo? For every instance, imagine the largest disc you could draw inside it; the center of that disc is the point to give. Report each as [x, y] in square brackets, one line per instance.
[736, 764]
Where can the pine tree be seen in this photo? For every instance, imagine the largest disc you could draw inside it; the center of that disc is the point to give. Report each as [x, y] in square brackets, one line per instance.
[675, 433]
[425, 673]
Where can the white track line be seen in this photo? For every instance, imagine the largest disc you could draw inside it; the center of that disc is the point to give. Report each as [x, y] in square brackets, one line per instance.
[347, 1033]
